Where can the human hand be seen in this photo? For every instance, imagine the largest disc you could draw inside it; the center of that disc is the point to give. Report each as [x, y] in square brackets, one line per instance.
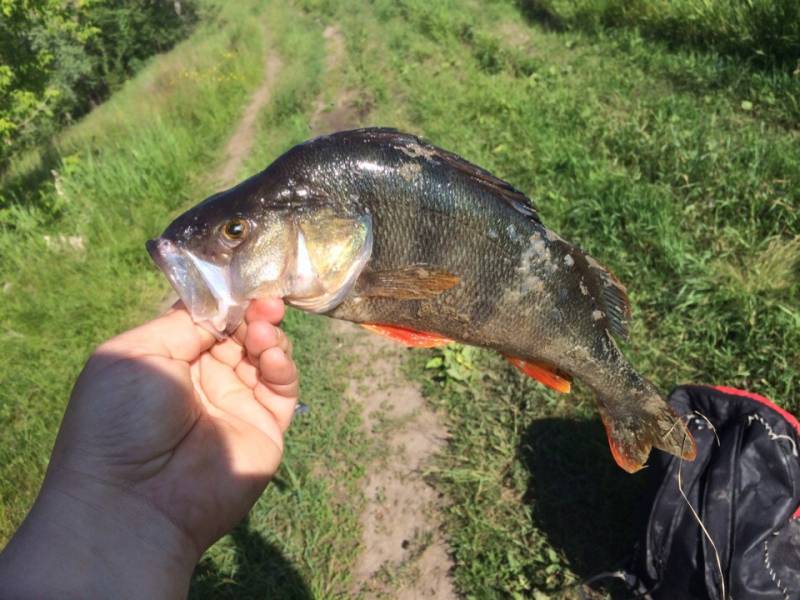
[168, 440]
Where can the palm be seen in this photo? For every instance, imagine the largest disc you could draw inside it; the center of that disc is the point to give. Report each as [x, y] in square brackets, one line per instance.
[198, 438]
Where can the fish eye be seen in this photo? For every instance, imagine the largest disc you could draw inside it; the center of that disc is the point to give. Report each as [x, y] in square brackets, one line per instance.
[235, 230]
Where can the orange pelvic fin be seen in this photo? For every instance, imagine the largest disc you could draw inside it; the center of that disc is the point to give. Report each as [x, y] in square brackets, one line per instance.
[409, 337]
[543, 374]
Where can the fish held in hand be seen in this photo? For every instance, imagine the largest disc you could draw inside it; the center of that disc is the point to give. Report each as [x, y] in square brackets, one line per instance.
[380, 228]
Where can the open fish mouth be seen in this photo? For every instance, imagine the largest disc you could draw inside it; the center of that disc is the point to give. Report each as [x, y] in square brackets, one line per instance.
[203, 287]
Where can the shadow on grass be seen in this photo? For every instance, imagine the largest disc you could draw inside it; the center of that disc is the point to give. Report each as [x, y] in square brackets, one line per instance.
[586, 504]
[537, 11]
[261, 572]
[25, 187]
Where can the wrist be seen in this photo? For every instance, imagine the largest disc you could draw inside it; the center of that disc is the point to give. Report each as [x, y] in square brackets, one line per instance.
[90, 538]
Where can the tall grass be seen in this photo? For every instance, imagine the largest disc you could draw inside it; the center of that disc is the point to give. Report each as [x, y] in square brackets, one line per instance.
[764, 31]
[748, 51]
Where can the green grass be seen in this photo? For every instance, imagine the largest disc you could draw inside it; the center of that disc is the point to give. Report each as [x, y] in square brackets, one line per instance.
[657, 160]
[764, 31]
[674, 163]
[116, 179]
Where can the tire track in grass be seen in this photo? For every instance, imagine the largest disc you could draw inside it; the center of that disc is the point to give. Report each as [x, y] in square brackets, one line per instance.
[241, 142]
[340, 112]
[404, 554]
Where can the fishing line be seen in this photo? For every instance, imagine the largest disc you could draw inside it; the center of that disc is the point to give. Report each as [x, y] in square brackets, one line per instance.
[624, 577]
[691, 508]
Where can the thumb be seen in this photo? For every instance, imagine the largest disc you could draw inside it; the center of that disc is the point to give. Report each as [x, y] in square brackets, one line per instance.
[173, 335]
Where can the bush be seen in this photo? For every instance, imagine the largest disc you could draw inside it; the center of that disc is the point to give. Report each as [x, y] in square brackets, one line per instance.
[59, 58]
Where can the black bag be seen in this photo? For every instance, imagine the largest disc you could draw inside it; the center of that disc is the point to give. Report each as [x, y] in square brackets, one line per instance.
[745, 488]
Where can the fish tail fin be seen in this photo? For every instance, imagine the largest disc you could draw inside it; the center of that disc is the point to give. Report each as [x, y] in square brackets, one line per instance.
[634, 428]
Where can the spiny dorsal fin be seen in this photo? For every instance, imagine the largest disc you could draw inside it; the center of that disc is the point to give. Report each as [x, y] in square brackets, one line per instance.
[511, 195]
[417, 147]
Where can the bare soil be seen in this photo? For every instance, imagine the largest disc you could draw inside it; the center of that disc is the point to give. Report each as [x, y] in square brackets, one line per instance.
[404, 554]
[341, 111]
[241, 142]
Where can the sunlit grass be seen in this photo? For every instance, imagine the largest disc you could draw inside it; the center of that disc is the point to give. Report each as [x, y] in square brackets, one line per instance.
[677, 168]
[651, 160]
[111, 182]
[767, 31]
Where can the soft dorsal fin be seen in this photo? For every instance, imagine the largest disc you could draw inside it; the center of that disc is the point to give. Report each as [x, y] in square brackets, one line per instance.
[614, 302]
[417, 147]
[609, 293]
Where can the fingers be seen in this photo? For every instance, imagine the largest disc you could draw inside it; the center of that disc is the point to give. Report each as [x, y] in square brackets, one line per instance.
[226, 392]
[276, 368]
[175, 335]
[261, 310]
[279, 399]
[267, 309]
[229, 352]
[261, 335]
[269, 348]
[277, 385]
[172, 335]
[258, 357]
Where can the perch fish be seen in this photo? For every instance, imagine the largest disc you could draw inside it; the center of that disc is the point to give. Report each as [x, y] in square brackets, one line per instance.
[381, 228]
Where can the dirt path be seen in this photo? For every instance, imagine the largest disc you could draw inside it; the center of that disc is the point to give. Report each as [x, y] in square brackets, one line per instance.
[404, 554]
[241, 142]
[339, 112]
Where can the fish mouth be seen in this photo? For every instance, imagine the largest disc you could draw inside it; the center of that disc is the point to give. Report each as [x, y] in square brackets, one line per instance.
[203, 287]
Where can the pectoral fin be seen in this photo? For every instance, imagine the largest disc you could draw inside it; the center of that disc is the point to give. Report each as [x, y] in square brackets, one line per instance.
[414, 282]
[544, 374]
[408, 337]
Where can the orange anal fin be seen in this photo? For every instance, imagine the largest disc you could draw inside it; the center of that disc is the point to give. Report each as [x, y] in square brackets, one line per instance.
[409, 337]
[543, 374]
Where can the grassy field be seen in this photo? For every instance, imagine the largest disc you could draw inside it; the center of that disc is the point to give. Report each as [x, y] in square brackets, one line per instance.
[766, 32]
[677, 166]
[657, 160]
[74, 218]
